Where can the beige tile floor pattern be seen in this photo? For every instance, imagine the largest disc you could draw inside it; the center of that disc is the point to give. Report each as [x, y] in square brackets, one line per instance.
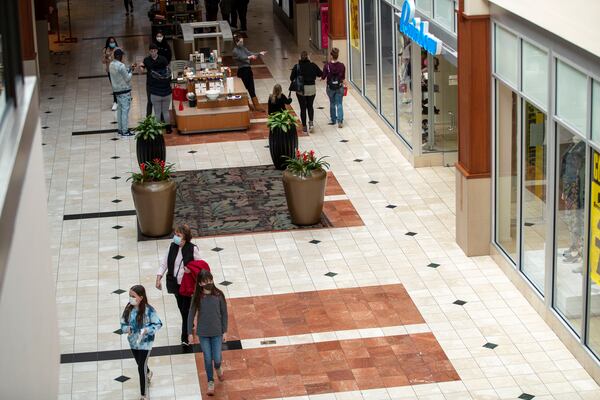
[530, 358]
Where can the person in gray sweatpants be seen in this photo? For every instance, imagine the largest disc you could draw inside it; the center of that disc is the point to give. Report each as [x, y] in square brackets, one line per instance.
[159, 84]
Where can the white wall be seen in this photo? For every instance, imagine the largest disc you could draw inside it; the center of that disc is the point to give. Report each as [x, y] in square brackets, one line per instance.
[29, 347]
[574, 20]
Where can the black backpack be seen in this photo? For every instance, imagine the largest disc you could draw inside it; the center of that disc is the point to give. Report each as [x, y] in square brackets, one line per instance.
[334, 82]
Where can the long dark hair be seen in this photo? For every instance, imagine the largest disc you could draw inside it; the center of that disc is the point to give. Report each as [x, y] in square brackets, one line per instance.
[139, 318]
[108, 41]
[199, 294]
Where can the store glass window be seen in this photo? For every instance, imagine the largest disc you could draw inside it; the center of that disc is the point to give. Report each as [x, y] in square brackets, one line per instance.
[370, 51]
[506, 61]
[2, 82]
[534, 216]
[355, 45]
[594, 256]
[404, 93]
[425, 6]
[507, 175]
[535, 73]
[444, 13]
[569, 226]
[571, 96]
[388, 80]
[596, 112]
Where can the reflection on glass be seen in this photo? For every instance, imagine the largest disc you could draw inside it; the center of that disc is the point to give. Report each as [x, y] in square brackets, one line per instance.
[533, 193]
[506, 62]
[425, 6]
[444, 13]
[387, 64]
[370, 51]
[2, 83]
[535, 73]
[594, 256]
[405, 87]
[506, 170]
[571, 96]
[355, 52]
[569, 225]
[596, 112]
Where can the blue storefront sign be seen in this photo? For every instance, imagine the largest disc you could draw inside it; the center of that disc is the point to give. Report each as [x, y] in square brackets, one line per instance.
[418, 30]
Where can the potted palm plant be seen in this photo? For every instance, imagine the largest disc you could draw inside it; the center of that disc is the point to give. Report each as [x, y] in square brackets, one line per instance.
[304, 183]
[283, 138]
[154, 197]
[150, 143]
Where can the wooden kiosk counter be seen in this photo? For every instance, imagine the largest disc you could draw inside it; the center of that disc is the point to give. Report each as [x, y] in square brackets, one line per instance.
[229, 112]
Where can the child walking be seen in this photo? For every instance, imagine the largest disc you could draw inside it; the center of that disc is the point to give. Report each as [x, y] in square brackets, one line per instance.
[208, 303]
[140, 321]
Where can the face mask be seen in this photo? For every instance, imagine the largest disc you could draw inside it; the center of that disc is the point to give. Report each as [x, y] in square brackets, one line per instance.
[112, 45]
[207, 286]
[241, 42]
[133, 301]
[177, 240]
[159, 39]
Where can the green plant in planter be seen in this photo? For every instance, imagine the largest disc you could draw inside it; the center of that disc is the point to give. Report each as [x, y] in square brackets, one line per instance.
[152, 171]
[282, 120]
[304, 163]
[149, 128]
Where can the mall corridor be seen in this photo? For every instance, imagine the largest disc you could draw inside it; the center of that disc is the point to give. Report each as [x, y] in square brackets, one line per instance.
[376, 302]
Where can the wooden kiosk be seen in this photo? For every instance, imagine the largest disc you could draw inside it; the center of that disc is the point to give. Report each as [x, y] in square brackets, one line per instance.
[227, 111]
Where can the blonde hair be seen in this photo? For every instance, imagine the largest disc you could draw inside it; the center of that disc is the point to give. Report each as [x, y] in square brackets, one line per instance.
[276, 93]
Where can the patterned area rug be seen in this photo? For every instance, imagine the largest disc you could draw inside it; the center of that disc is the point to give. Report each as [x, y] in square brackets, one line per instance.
[229, 201]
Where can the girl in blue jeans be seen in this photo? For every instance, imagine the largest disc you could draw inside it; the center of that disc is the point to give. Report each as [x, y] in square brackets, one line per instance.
[210, 308]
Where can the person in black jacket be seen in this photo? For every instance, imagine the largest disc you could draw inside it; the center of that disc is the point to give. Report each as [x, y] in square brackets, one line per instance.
[163, 47]
[277, 100]
[306, 95]
[158, 84]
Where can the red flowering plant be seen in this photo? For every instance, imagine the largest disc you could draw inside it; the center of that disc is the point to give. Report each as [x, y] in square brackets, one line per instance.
[303, 163]
[152, 171]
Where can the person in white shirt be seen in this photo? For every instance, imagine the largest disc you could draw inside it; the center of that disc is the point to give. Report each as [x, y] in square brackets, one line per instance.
[181, 252]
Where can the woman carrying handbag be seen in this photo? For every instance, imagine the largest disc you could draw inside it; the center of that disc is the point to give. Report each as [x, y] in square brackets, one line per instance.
[303, 77]
[174, 264]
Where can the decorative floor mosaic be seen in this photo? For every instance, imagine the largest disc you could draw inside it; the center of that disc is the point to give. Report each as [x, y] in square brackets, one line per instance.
[227, 201]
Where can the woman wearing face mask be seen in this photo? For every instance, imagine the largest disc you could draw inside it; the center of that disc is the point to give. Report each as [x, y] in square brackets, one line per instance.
[243, 57]
[180, 253]
[210, 307]
[163, 46]
[140, 322]
[107, 57]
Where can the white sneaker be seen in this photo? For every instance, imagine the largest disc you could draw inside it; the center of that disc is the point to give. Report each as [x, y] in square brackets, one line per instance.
[114, 107]
[149, 376]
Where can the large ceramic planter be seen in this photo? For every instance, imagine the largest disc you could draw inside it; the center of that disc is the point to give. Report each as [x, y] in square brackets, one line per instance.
[148, 150]
[154, 205]
[282, 144]
[305, 196]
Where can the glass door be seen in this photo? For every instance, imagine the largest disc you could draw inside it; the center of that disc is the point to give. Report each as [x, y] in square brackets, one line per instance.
[370, 52]
[404, 86]
[386, 63]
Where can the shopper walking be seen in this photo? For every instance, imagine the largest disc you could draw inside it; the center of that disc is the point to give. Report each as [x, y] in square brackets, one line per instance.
[240, 9]
[225, 6]
[107, 57]
[181, 252]
[277, 100]
[308, 72]
[128, 6]
[210, 307]
[120, 78]
[243, 57]
[140, 322]
[158, 85]
[335, 73]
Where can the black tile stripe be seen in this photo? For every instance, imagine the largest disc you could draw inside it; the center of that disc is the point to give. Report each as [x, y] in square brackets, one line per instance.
[104, 76]
[156, 351]
[106, 214]
[94, 132]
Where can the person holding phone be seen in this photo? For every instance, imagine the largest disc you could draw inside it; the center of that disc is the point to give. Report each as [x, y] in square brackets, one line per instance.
[181, 252]
[140, 322]
[120, 79]
[243, 57]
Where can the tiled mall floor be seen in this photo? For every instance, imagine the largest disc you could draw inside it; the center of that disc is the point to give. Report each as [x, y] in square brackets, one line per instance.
[93, 257]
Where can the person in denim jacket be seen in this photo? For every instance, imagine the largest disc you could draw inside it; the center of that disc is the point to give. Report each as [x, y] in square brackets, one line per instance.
[140, 322]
